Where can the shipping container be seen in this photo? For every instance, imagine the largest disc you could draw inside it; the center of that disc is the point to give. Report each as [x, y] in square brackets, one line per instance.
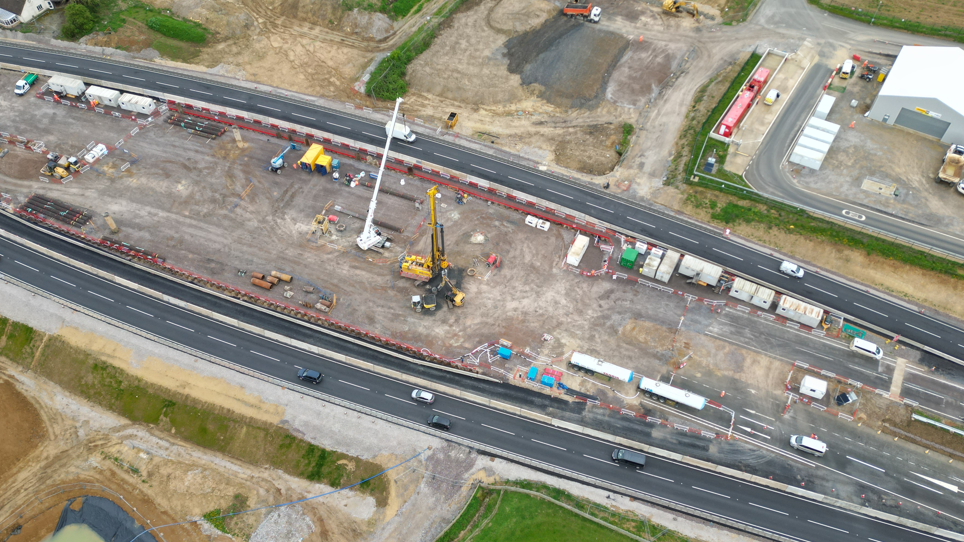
[628, 258]
[592, 365]
[814, 145]
[823, 126]
[665, 270]
[652, 262]
[66, 85]
[819, 135]
[807, 158]
[799, 311]
[578, 249]
[137, 104]
[103, 96]
[662, 392]
[823, 107]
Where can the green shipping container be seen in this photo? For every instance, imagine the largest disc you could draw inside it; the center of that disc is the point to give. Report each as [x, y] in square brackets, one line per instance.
[628, 259]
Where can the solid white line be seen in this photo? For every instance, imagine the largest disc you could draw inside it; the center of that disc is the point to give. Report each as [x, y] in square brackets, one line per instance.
[728, 254]
[827, 526]
[140, 311]
[397, 399]
[770, 270]
[99, 71]
[871, 310]
[770, 509]
[27, 266]
[102, 296]
[447, 414]
[814, 353]
[863, 463]
[818, 289]
[67, 65]
[598, 207]
[446, 157]
[482, 168]
[654, 476]
[167, 84]
[132, 77]
[372, 135]
[268, 107]
[681, 237]
[33, 59]
[338, 125]
[303, 116]
[356, 385]
[497, 429]
[64, 281]
[200, 92]
[9, 56]
[712, 492]
[180, 326]
[872, 539]
[600, 460]
[264, 355]
[641, 222]
[923, 390]
[559, 193]
[221, 340]
[521, 181]
[233, 99]
[924, 330]
[547, 444]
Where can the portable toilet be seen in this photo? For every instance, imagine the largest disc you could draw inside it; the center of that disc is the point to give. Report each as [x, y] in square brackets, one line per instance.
[335, 164]
[548, 381]
[323, 164]
[504, 352]
[628, 259]
[533, 371]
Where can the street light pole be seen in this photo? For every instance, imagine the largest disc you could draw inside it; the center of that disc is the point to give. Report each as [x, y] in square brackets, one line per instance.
[875, 12]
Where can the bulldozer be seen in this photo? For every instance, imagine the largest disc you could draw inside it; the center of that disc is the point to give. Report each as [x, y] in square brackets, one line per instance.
[681, 6]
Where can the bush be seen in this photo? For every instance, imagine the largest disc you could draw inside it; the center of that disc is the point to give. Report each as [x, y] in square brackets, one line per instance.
[624, 143]
[388, 79]
[179, 30]
[79, 23]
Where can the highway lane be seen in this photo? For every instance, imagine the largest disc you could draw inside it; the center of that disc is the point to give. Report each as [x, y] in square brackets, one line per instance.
[767, 509]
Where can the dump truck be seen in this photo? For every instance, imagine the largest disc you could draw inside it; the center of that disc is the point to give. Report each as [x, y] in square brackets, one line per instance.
[586, 11]
[953, 169]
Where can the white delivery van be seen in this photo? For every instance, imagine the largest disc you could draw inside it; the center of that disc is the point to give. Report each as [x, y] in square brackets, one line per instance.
[848, 68]
[866, 348]
[771, 96]
[401, 132]
[809, 445]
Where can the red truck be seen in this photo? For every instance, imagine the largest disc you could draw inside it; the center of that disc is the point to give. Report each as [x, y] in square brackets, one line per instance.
[743, 102]
[586, 11]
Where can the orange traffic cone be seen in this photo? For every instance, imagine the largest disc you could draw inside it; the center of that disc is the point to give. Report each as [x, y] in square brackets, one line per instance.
[852, 124]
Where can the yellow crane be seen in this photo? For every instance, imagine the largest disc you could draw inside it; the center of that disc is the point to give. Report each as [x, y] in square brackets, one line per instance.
[433, 268]
[681, 6]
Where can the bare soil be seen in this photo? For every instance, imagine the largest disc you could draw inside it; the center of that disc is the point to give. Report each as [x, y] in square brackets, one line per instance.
[930, 12]
[21, 419]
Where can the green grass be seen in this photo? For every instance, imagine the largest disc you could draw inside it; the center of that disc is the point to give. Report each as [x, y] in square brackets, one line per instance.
[397, 9]
[471, 509]
[19, 345]
[627, 135]
[173, 50]
[112, 16]
[188, 31]
[736, 11]
[955, 33]
[238, 504]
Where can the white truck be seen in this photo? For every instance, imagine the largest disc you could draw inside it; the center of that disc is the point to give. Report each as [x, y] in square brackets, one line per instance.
[400, 132]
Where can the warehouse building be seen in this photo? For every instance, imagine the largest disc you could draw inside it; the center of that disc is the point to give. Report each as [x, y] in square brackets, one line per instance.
[923, 92]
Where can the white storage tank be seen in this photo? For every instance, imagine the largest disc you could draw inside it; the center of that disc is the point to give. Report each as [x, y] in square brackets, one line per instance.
[137, 104]
[103, 96]
[823, 108]
[665, 270]
[578, 249]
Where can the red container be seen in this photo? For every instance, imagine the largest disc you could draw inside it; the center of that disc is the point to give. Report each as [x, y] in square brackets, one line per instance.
[856, 58]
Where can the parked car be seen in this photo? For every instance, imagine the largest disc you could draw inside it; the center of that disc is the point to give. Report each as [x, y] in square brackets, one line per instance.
[423, 396]
[439, 422]
[791, 270]
[310, 376]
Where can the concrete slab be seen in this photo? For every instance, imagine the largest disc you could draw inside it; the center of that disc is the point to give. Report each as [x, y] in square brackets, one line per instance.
[898, 379]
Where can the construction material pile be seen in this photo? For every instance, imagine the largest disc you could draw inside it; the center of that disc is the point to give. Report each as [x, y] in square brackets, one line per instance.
[57, 210]
[198, 127]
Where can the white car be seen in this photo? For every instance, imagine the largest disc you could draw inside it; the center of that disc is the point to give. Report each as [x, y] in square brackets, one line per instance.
[960, 187]
[791, 270]
[423, 396]
[96, 153]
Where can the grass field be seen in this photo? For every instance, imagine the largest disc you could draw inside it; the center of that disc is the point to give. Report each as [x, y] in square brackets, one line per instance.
[943, 18]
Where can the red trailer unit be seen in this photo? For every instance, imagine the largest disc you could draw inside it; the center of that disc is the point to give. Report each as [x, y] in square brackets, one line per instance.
[760, 78]
[736, 112]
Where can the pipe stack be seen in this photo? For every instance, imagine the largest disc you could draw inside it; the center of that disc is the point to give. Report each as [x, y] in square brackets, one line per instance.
[389, 191]
[198, 127]
[375, 221]
[57, 210]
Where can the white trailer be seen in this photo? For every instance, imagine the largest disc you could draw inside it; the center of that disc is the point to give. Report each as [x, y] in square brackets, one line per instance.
[66, 85]
[823, 107]
[799, 311]
[814, 145]
[137, 104]
[752, 293]
[819, 135]
[652, 263]
[665, 270]
[577, 250]
[807, 158]
[663, 392]
[700, 270]
[103, 96]
[591, 366]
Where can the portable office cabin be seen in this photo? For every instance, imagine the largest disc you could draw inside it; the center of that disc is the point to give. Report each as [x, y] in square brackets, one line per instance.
[665, 270]
[103, 96]
[763, 297]
[814, 387]
[137, 104]
[743, 289]
[66, 85]
[799, 311]
[700, 270]
[652, 263]
[578, 249]
[823, 107]
[807, 157]
[819, 135]
[823, 126]
[814, 145]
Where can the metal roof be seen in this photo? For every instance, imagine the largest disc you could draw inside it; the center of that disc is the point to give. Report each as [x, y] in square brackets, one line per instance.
[928, 72]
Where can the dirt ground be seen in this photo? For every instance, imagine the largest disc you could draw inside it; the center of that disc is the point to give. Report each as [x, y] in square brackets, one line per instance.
[929, 12]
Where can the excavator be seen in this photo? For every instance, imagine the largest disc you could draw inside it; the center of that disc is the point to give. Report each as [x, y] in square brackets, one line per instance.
[432, 269]
[681, 6]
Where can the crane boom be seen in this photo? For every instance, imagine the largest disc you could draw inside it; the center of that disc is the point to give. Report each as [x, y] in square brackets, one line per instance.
[370, 236]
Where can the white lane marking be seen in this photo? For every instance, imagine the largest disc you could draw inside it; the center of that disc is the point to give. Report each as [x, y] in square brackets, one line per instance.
[447, 414]
[180, 326]
[140, 311]
[221, 340]
[600, 460]
[482, 168]
[654, 476]
[559, 193]
[945, 485]
[598, 207]
[818, 289]
[828, 526]
[264, 355]
[681, 237]
[770, 509]
[864, 463]
[233, 99]
[406, 401]
[521, 181]
[32, 59]
[497, 429]
[924, 330]
[871, 310]
[549, 445]
[814, 353]
[872, 539]
[167, 85]
[132, 77]
[446, 157]
[99, 71]
[338, 125]
[64, 281]
[356, 385]
[200, 91]
[372, 135]
[66, 65]
[10, 56]
[101, 296]
[728, 254]
[304, 116]
[268, 107]
[770, 270]
[923, 390]
[27, 266]
[414, 147]
[641, 222]
[712, 492]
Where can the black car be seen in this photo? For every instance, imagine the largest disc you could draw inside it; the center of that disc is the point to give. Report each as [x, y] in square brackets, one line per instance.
[439, 422]
[310, 376]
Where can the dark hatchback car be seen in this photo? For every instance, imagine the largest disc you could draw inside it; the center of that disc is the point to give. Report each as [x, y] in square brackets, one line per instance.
[629, 457]
[310, 376]
[439, 422]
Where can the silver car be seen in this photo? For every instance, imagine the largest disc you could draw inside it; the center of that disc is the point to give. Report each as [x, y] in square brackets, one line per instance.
[423, 396]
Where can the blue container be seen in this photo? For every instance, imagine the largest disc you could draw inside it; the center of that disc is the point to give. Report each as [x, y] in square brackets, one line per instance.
[335, 164]
[548, 381]
[533, 371]
[504, 352]
[321, 169]
[373, 176]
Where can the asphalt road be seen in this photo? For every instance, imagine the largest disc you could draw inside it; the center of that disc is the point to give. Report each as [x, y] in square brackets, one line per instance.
[773, 511]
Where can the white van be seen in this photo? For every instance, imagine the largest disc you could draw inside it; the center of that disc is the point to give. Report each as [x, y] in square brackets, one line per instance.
[808, 445]
[848, 68]
[866, 348]
[400, 132]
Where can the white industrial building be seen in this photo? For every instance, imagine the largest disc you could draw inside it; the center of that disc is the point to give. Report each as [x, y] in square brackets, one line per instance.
[923, 92]
[13, 12]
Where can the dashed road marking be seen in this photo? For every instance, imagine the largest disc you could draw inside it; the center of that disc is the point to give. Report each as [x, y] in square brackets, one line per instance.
[711, 492]
[264, 355]
[770, 509]
[64, 281]
[356, 385]
[221, 340]
[140, 311]
[447, 414]
[180, 326]
[497, 429]
[100, 296]
[549, 445]
[559, 193]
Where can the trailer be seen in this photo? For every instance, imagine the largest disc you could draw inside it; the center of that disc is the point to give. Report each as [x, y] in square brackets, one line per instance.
[591, 366]
[799, 311]
[578, 249]
[137, 104]
[823, 107]
[662, 392]
[665, 270]
[700, 270]
[750, 292]
[103, 96]
[652, 263]
[744, 102]
[66, 85]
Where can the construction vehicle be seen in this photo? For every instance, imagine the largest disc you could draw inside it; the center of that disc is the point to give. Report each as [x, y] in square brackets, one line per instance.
[371, 237]
[681, 6]
[425, 268]
[451, 294]
[23, 85]
[53, 170]
[953, 169]
[278, 162]
[586, 11]
[424, 302]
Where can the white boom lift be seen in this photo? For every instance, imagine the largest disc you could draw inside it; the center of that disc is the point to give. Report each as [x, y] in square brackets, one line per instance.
[371, 237]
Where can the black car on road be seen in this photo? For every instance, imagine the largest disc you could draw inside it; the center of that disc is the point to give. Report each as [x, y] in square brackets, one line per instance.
[310, 376]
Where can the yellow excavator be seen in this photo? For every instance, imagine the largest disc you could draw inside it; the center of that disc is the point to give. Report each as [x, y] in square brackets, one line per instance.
[681, 6]
[433, 269]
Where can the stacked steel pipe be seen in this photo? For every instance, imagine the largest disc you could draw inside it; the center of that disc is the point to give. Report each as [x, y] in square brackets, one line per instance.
[395, 193]
[194, 126]
[57, 210]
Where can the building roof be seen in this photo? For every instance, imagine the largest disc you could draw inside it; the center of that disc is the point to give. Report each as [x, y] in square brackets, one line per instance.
[928, 72]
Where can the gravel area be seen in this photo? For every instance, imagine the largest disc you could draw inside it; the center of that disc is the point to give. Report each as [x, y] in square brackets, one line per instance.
[288, 523]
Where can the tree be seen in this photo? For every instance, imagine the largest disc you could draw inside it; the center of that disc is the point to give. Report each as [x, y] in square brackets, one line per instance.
[79, 21]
